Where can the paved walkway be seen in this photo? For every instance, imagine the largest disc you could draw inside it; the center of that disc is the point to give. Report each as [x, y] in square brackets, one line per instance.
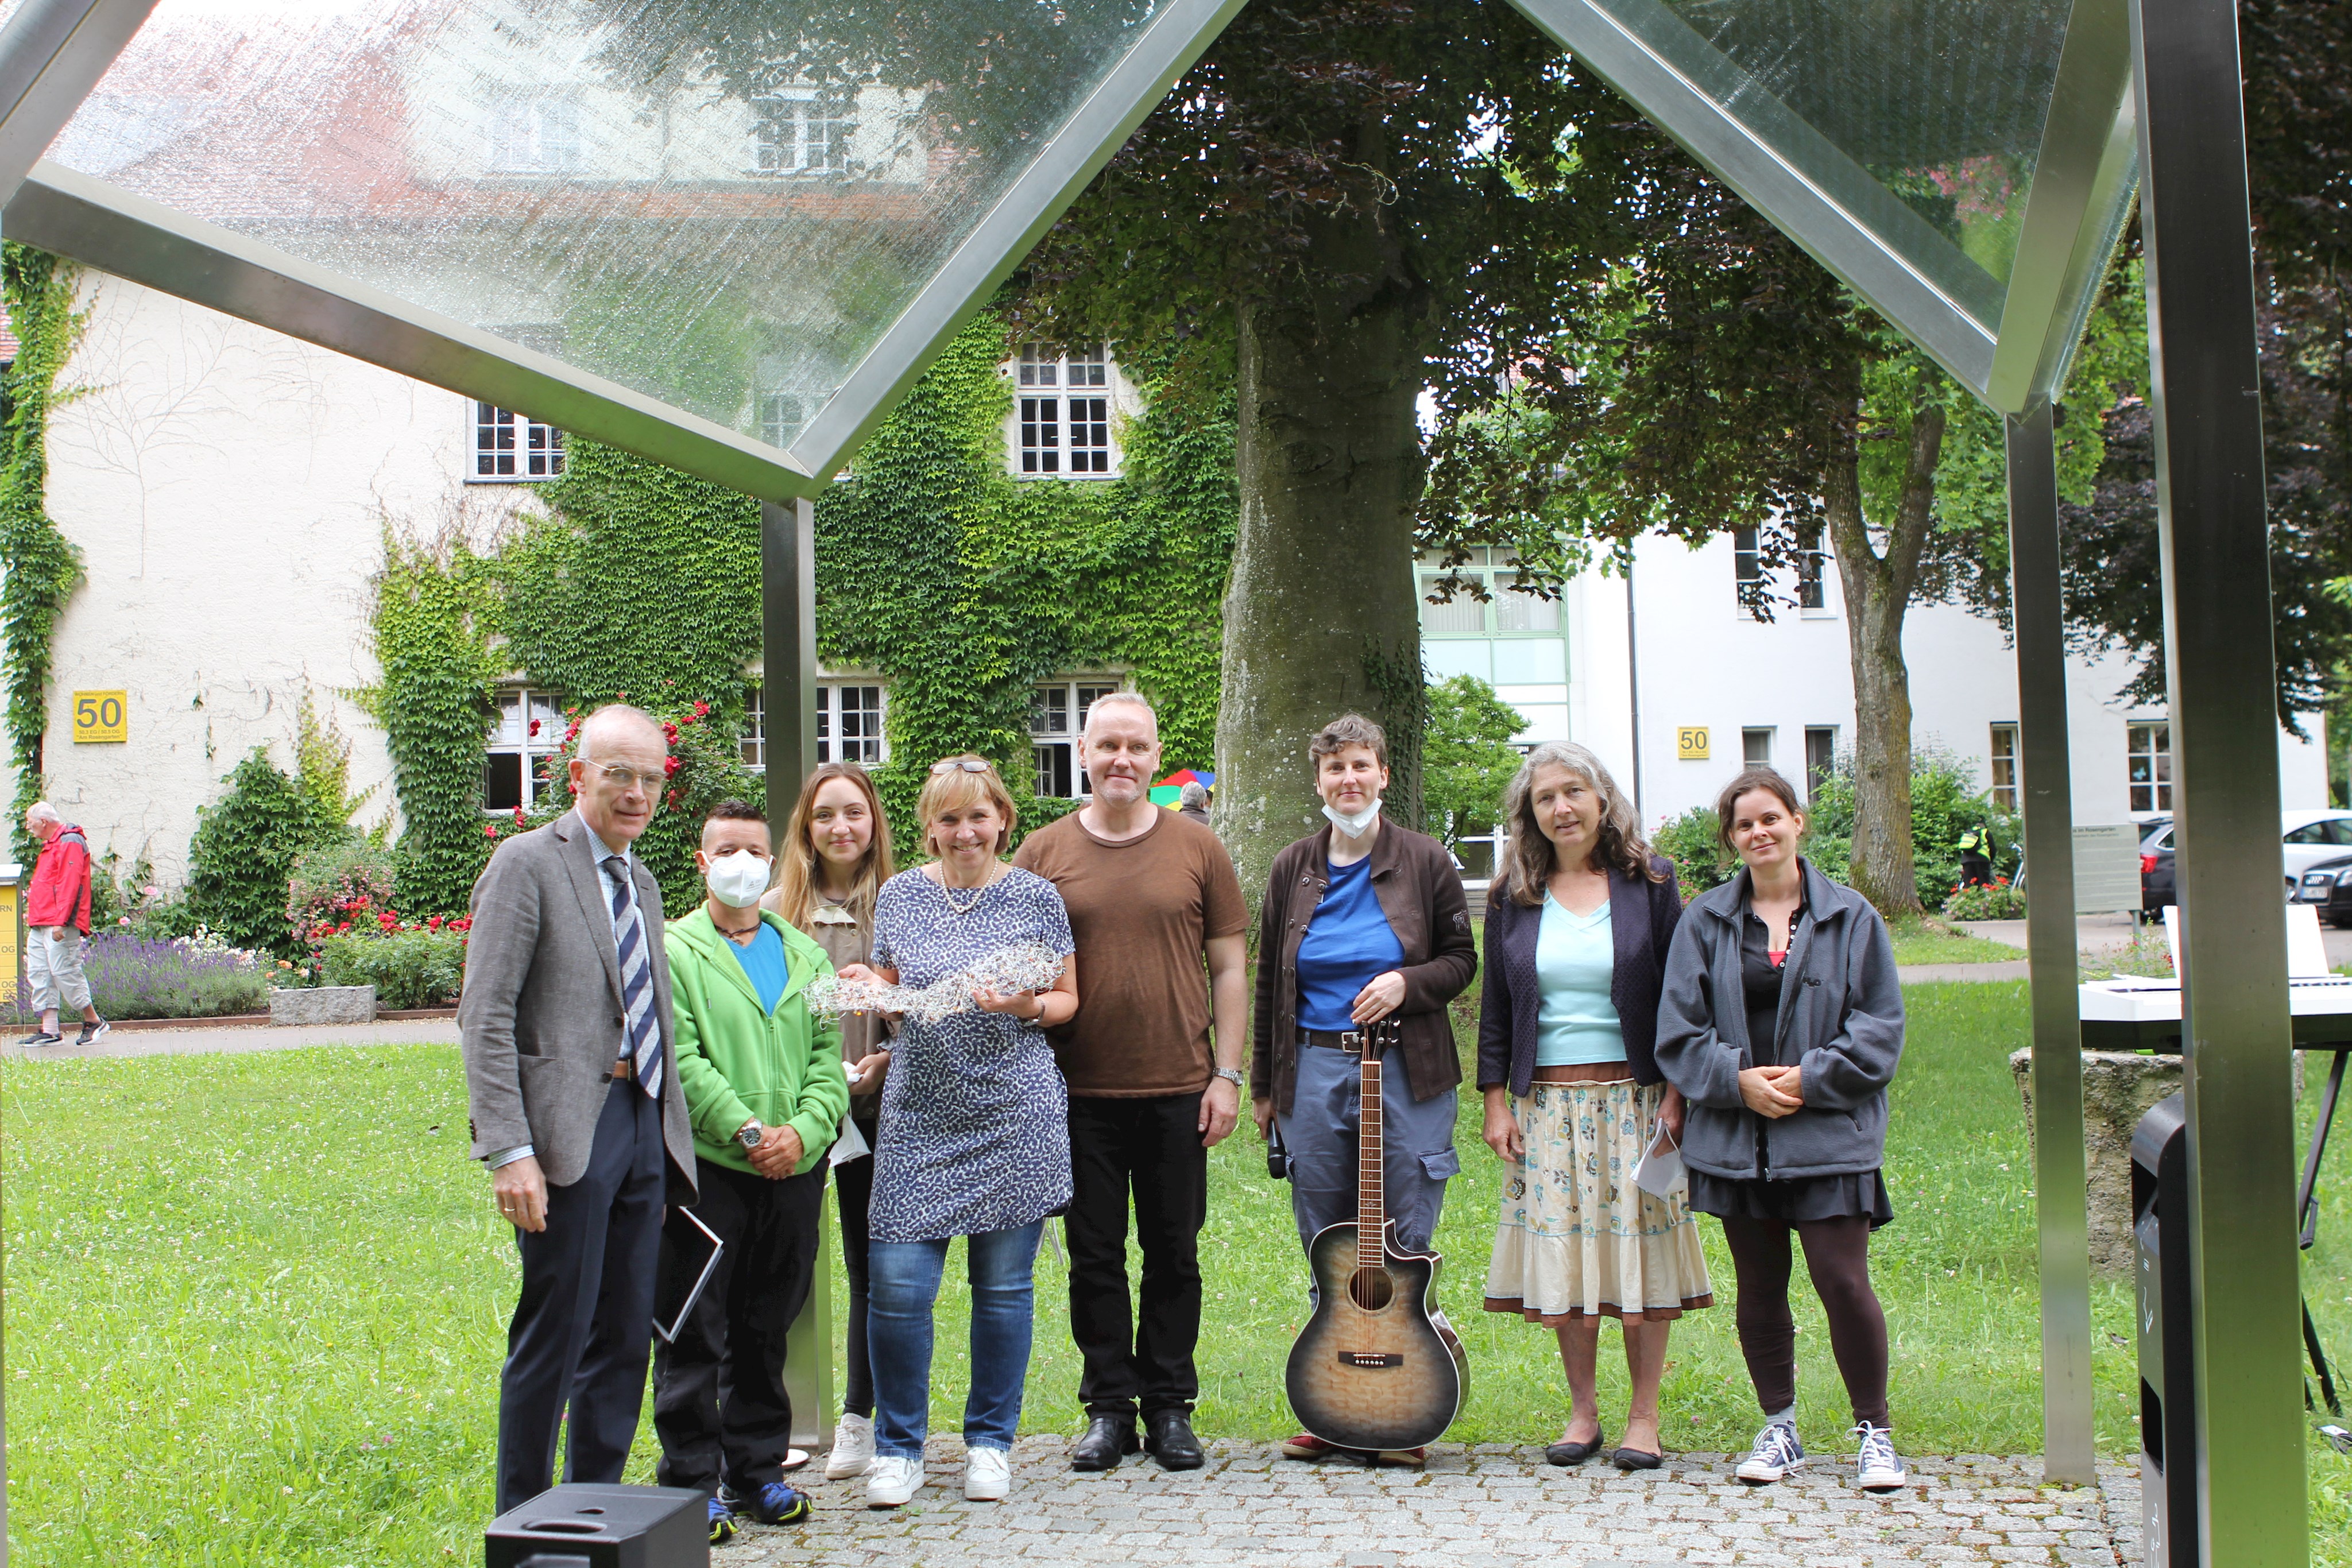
[1488, 1506]
[253, 1037]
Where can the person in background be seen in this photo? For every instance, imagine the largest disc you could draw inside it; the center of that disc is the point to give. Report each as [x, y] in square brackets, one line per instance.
[837, 857]
[764, 1084]
[57, 924]
[1578, 925]
[1782, 1023]
[975, 1131]
[1363, 920]
[574, 1104]
[1975, 855]
[1152, 898]
[1192, 800]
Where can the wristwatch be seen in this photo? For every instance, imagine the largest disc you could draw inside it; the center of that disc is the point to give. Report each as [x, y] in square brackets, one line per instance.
[1232, 1075]
[749, 1133]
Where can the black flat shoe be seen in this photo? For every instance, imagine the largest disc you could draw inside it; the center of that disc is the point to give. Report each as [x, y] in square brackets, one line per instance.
[1634, 1460]
[1108, 1440]
[1575, 1453]
[1171, 1441]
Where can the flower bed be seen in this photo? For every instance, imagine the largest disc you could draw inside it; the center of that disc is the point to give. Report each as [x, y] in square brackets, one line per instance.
[1985, 901]
[189, 977]
[418, 964]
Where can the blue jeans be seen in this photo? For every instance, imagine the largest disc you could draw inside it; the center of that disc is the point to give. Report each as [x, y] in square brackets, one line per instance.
[903, 1285]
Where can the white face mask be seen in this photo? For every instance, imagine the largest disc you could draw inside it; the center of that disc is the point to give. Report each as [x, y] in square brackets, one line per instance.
[1355, 824]
[738, 880]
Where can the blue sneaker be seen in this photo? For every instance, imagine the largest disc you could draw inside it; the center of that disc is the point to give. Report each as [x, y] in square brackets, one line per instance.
[722, 1523]
[780, 1504]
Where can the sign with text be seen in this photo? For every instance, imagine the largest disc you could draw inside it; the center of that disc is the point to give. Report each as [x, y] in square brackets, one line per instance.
[1690, 742]
[100, 717]
[2106, 867]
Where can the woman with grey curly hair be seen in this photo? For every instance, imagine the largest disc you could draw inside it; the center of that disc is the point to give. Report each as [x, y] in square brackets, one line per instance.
[1577, 929]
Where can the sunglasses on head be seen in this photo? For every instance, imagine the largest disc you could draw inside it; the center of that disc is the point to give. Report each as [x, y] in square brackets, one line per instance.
[968, 764]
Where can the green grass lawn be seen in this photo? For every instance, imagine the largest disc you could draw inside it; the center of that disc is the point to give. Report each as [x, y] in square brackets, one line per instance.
[1923, 939]
[256, 1303]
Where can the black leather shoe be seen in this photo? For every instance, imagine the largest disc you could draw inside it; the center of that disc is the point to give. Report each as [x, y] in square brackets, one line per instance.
[1108, 1440]
[1171, 1441]
[1636, 1459]
[1575, 1453]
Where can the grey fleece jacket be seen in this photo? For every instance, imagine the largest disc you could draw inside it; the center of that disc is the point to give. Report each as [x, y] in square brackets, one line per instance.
[1840, 1021]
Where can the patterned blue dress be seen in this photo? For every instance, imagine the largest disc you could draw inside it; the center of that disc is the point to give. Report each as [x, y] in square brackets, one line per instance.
[975, 1117]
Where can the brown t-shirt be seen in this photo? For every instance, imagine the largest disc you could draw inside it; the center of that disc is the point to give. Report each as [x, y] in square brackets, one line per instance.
[1143, 912]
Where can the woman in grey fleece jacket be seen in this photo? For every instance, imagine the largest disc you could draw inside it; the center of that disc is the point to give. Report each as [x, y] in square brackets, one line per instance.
[1782, 1023]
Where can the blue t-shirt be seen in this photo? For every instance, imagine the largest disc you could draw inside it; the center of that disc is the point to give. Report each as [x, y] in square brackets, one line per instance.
[1576, 955]
[1347, 944]
[763, 965]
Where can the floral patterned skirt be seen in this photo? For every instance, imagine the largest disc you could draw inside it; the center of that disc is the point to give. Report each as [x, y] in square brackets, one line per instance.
[1577, 1239]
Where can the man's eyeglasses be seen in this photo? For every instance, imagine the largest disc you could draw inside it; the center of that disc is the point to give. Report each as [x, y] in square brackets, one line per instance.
[968, 764]
[625, 778]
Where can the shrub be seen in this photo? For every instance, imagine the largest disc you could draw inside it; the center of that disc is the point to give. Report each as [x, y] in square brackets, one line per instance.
[244, 848]
[350, 881]
[193, 976]
[418, 966]
[1986, 901]
[1700, 860]
[1467, 757]
[1944, 803]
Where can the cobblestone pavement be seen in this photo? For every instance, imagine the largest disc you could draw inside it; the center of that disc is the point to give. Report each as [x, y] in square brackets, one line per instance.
[1488, 1506]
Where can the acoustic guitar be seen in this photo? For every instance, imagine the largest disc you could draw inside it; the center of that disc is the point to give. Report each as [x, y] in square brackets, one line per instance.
[1377, 1366]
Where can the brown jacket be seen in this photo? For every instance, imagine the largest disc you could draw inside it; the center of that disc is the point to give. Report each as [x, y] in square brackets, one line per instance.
[1420, 894]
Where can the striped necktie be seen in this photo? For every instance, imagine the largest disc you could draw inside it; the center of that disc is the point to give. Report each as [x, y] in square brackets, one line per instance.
[642, 1037]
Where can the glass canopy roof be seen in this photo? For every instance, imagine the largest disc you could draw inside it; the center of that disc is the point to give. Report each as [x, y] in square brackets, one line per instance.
[728, 233]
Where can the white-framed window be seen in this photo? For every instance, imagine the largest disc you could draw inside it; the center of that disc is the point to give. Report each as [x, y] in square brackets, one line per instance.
[512, 446]
[1820, 757]
[849, 722]
[2148, 749]
[2002, 761]
[1063, 403]
[1756, 748]
[781, 415]
[1747, 568]
[529, 732]
[534, 133]
[1812, 562]
[1057, 717]
[795, 134]
[1753, 581]
[1506, 611]
[753, 747]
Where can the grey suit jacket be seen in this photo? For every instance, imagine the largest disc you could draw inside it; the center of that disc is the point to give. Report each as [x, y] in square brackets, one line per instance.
[541, 1017]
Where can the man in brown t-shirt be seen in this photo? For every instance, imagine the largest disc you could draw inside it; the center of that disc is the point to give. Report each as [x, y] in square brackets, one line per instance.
[1160, 922]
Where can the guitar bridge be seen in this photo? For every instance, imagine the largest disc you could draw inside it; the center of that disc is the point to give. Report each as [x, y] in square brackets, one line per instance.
[1371, 1358]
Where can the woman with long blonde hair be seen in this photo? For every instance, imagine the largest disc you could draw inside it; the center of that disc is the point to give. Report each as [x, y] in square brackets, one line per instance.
[833, 858]
[1578, 933]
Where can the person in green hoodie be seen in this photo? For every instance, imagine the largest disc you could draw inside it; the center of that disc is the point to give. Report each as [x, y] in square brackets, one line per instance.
[765, 1090]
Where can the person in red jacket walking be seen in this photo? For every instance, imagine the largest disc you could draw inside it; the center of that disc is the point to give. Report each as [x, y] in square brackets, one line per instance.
[57, 919]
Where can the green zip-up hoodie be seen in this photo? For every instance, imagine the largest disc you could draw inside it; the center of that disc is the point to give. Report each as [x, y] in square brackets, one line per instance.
[735, 1061]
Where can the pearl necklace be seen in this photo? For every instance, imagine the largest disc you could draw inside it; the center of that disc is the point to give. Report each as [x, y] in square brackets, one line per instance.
[948, 892]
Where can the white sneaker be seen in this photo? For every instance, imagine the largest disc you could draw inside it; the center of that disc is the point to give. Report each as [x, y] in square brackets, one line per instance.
[1775, 1454]
[852, 1448]
[892, 1479]
[1878, 1467]
[987, 1474]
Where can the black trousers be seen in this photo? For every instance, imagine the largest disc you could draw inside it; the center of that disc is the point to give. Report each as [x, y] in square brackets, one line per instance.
[853, 1194]
[719, 1404]
[1837, 1255]
[584, 1320]
[1139, 1357]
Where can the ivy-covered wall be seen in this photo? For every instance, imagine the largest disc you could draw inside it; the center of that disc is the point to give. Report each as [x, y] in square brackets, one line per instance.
[38, 566]
[936, 570]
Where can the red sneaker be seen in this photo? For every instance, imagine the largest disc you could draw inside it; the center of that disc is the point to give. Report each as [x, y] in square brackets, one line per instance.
[1307, 1446]
[1416, 1457]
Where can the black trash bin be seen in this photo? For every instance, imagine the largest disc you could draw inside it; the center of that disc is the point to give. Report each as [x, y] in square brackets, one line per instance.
[580, 1526]
[2168, 1351]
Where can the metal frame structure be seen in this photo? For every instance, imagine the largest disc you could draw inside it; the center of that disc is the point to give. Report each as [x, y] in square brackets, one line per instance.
[2154, 82]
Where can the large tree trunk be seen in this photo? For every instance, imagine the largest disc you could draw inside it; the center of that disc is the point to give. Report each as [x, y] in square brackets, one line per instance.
[1320, 613]
[1877, 592]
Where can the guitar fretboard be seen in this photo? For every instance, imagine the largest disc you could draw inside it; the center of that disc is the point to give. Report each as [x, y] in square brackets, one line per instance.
[1371, 1179]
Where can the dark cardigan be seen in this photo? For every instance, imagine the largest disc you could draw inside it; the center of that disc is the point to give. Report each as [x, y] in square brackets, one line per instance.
[1642, 916]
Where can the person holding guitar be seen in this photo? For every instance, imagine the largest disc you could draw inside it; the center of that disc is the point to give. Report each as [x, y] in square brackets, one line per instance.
[1364, 924]
[1577, 929]
[1782, 1022]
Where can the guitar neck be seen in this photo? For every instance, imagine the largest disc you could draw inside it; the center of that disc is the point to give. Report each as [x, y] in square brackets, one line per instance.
[1372, 1175]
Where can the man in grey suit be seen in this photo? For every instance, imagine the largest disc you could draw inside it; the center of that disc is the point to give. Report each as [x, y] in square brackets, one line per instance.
[571, 1082]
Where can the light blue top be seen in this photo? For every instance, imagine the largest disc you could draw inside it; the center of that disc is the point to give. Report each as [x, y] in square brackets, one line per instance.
[765, 966]
[1575, 1020]
[1348, 944]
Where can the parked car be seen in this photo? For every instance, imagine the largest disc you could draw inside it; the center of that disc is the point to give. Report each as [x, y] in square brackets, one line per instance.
[2328, 885]
[2306, 839]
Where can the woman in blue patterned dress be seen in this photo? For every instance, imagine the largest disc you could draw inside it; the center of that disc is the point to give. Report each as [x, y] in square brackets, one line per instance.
[974, 1132]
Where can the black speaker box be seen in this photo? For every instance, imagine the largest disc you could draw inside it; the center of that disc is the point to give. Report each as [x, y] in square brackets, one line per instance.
[580, 1526]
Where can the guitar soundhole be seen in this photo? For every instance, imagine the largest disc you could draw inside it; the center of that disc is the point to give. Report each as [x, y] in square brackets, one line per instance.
[1372, 1288]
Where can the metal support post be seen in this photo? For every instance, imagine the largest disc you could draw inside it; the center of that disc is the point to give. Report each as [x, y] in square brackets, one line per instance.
[2060, 1191]
[2219, 671]
[788, 696]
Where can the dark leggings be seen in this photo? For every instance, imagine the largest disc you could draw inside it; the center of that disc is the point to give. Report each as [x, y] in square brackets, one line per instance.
[853, 1189]
[1837, 1255]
